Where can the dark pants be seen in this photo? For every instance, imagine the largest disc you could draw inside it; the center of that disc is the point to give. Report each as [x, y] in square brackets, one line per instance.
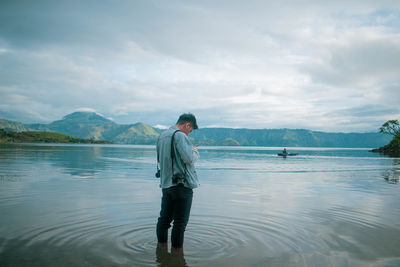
[176, 203]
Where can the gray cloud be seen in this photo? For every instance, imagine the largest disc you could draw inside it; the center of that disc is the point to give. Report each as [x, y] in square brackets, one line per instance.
[359, 60]
[264, 64]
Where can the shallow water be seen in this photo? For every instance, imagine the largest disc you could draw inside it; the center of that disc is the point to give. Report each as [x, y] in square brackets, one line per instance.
[97, 205]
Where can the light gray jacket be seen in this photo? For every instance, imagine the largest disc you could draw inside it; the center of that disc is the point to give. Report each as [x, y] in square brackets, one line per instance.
[184, 154]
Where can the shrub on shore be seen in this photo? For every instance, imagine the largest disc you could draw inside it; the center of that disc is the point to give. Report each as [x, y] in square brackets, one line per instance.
[391, 127]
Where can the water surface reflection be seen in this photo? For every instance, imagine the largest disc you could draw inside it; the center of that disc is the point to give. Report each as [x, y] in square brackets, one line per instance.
[167, 259]
[321, 208]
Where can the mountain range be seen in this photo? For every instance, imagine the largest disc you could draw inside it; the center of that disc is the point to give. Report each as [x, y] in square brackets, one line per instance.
[90, 125]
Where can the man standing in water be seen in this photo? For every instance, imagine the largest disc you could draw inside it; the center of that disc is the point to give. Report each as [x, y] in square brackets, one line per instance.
[176, 157]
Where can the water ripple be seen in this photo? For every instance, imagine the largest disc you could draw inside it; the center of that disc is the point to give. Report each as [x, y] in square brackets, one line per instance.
[123, 240]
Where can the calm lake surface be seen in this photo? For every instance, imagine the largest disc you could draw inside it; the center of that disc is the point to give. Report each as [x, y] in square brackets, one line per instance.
[97, 205]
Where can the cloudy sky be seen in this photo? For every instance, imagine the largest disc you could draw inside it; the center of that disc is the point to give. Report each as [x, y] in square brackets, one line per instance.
[311, 64]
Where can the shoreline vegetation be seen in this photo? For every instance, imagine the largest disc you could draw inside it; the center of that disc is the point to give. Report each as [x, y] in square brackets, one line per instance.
[44, 137]
[391, 127]
[391, 149]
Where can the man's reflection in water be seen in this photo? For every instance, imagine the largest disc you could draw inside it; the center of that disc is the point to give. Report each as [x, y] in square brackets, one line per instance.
[393, 175]
[166, 259]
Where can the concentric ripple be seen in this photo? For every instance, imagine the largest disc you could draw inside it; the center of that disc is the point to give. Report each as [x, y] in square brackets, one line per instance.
[94, 238]
[252, 209]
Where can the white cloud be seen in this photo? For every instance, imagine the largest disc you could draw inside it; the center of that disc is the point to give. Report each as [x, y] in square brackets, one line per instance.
[162, 127]
[262, 64]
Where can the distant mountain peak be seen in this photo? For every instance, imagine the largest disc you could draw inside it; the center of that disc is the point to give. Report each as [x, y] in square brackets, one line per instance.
[86, 116]
[82, 114]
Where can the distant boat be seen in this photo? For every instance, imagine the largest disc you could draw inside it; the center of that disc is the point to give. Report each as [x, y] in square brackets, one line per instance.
[287, 154]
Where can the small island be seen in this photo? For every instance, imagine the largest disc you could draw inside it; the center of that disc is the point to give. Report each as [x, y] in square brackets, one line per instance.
[44, 137]
[391, 127]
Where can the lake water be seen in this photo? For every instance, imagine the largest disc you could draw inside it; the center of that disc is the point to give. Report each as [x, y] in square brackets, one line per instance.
[97, 205]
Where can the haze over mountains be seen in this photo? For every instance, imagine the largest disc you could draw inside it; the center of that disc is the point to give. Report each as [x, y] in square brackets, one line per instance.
[90, 125]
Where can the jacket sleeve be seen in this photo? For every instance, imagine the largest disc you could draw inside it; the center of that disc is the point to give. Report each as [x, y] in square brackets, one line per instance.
[158, 149]
[185, 149]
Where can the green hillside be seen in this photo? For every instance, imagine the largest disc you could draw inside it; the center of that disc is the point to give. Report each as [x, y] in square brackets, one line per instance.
[12, 126]
[43, 137]
[286, 137]
[90, 125]
[138, 133]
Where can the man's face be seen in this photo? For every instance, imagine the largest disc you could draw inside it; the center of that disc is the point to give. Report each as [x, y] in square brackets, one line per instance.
[187, 128]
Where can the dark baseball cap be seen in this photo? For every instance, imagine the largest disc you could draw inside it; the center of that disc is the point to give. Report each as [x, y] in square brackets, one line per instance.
[188, 117]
